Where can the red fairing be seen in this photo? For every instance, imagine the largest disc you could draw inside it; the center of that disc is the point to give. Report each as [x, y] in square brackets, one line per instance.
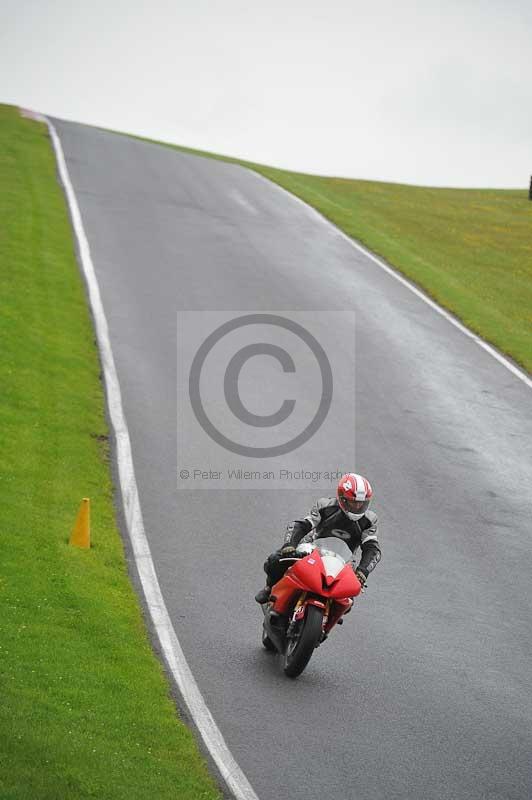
[309, 571]
[286, 591]
[308, 575]
[345, 585]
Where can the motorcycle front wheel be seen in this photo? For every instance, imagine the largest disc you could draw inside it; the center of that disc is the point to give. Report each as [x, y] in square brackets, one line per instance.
[299, 648]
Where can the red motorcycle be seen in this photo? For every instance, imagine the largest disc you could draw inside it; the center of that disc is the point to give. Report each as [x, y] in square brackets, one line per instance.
[310, 599]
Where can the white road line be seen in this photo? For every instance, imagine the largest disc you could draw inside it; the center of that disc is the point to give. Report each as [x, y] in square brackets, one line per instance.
[519, 373]
[209, 731]
[242, 201]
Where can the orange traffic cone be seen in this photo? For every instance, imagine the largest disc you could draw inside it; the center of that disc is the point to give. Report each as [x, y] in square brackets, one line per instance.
[81, 532]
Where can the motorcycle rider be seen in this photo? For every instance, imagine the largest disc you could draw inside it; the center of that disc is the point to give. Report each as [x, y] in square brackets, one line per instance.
[345, 516]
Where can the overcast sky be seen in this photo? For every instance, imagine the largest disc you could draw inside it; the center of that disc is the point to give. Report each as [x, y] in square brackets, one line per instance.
[426, 92]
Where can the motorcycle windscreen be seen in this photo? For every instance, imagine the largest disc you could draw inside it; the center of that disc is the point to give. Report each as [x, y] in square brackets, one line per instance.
[334, 546]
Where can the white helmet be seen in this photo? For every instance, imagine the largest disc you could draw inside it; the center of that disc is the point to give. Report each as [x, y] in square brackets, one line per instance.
[354, 493]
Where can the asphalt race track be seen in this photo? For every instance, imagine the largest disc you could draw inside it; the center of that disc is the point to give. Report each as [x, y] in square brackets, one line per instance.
[426, 691]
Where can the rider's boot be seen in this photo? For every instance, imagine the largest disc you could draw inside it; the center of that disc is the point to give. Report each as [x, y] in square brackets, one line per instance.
[263, 596]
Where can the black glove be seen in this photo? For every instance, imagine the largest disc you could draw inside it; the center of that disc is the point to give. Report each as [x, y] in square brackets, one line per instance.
[286, 551]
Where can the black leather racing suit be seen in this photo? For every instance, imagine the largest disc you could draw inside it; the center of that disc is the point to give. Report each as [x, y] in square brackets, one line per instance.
[326, 518]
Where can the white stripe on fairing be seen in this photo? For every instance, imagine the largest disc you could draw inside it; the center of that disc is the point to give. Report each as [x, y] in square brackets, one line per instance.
[174, 656]
[368, 538]
[513, 368]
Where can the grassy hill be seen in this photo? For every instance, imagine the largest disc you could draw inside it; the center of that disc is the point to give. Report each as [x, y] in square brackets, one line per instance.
[85, 710]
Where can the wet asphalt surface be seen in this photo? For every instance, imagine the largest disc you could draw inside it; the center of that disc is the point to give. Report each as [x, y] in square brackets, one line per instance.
[426, 691]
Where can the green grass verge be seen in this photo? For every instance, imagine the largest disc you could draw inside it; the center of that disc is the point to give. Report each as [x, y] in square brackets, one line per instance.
[469, 249]
[85, 710]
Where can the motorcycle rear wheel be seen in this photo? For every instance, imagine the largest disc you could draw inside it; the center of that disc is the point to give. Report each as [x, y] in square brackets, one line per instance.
[267, 642]
[300, 649]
